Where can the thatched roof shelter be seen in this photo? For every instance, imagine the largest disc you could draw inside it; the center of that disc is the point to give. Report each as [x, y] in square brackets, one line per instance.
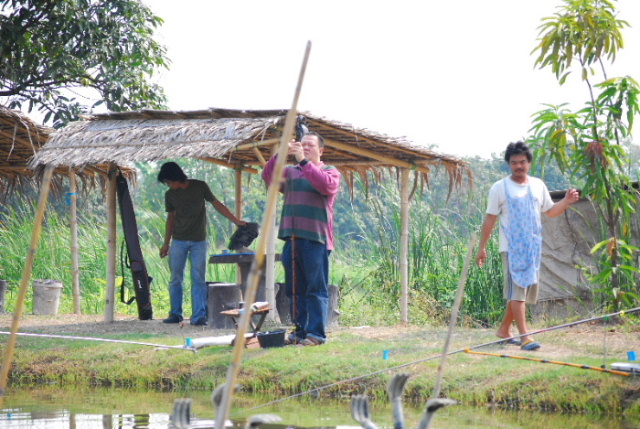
[235, 138]
[242, 140]
[20, 139]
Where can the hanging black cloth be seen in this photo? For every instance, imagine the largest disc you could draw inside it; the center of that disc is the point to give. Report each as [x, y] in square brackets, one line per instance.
[135, 259]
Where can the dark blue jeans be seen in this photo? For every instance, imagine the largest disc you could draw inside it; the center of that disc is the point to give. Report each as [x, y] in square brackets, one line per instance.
[196, 251]
[307, 288]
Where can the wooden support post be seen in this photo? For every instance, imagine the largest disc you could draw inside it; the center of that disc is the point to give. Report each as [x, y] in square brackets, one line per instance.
[238, 209]
[404, 244]
[73, 223]
[110, 305]
[270, 261]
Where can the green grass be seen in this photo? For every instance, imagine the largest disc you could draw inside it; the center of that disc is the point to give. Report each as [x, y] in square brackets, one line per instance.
[350, 363]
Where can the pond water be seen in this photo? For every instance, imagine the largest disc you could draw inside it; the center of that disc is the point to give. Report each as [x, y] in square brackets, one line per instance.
[51, 407]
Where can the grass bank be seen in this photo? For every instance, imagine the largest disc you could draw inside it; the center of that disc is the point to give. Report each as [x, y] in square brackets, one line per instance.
[352, 362]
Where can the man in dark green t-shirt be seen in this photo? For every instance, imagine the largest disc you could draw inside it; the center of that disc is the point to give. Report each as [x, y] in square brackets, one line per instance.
[186, 236]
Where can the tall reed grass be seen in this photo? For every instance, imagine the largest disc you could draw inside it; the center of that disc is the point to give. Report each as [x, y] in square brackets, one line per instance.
[368, 269]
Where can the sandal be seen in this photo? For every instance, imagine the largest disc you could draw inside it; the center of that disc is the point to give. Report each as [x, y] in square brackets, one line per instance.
[530, 346]
[510, 341]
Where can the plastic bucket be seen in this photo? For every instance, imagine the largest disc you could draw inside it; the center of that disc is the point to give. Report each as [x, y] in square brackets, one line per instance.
[46, 297]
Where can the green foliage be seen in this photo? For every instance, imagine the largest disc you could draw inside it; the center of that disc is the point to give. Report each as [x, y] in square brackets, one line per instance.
[55, 56]
[588, 144]
[585, 31]
[438, 244]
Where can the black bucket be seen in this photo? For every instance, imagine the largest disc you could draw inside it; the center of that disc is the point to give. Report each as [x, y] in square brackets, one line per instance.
[271, 338]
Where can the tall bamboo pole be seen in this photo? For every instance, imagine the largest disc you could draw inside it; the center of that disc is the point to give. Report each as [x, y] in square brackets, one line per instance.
[454, 312]
[73, 223]
[26, 276]
[110, 305]
[258, 262]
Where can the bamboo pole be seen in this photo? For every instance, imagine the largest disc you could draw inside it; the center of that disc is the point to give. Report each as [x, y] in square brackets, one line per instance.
[454, 313]
[555, 362]
[258, 262]
[247, 146]
[259, 156]
[229, 165]
[112, 245]
[404, 244]
[73, 223]
[26, 276]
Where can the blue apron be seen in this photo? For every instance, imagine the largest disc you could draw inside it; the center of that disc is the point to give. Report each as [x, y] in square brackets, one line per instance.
[525, 238]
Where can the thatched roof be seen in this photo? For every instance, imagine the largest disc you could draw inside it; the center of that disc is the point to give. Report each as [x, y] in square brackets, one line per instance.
[235, 138]
[20, 139]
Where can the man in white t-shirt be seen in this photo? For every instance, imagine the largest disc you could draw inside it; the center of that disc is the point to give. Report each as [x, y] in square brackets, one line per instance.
[518, 201]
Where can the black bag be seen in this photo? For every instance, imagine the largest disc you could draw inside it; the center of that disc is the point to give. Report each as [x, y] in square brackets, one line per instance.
[135, 259]
[244, 236]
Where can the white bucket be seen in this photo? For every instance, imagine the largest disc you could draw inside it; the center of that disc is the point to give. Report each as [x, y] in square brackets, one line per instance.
[46, 297]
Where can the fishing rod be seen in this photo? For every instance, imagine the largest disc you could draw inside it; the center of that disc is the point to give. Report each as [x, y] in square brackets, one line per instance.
[575, 365]
[439, 356]
[105, 340]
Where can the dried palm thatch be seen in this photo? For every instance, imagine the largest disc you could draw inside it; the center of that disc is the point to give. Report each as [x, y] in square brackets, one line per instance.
[240, 139]
[20, 140]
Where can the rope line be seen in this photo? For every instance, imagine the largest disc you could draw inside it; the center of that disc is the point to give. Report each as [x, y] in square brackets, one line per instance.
[105, 340]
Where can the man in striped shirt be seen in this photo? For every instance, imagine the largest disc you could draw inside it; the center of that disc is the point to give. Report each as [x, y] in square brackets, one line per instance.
[306, 226]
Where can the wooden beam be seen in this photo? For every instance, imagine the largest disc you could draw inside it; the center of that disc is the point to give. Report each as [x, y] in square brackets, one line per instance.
[373, 141]
[229, 165]
[248, 146]
[258, 155]
[383, 158]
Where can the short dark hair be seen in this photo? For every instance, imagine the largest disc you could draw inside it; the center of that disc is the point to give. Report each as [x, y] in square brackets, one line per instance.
[518, 148]
[313, 133]
[172, 172]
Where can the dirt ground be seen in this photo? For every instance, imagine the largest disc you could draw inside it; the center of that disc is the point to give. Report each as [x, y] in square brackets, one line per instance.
[562, 343]
[94, 325]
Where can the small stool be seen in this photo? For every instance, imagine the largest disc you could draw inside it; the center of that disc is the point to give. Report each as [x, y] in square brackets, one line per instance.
[222, 296]
[259, 315]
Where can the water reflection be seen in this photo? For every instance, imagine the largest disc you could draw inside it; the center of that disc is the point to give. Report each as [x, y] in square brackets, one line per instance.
[55, 408]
